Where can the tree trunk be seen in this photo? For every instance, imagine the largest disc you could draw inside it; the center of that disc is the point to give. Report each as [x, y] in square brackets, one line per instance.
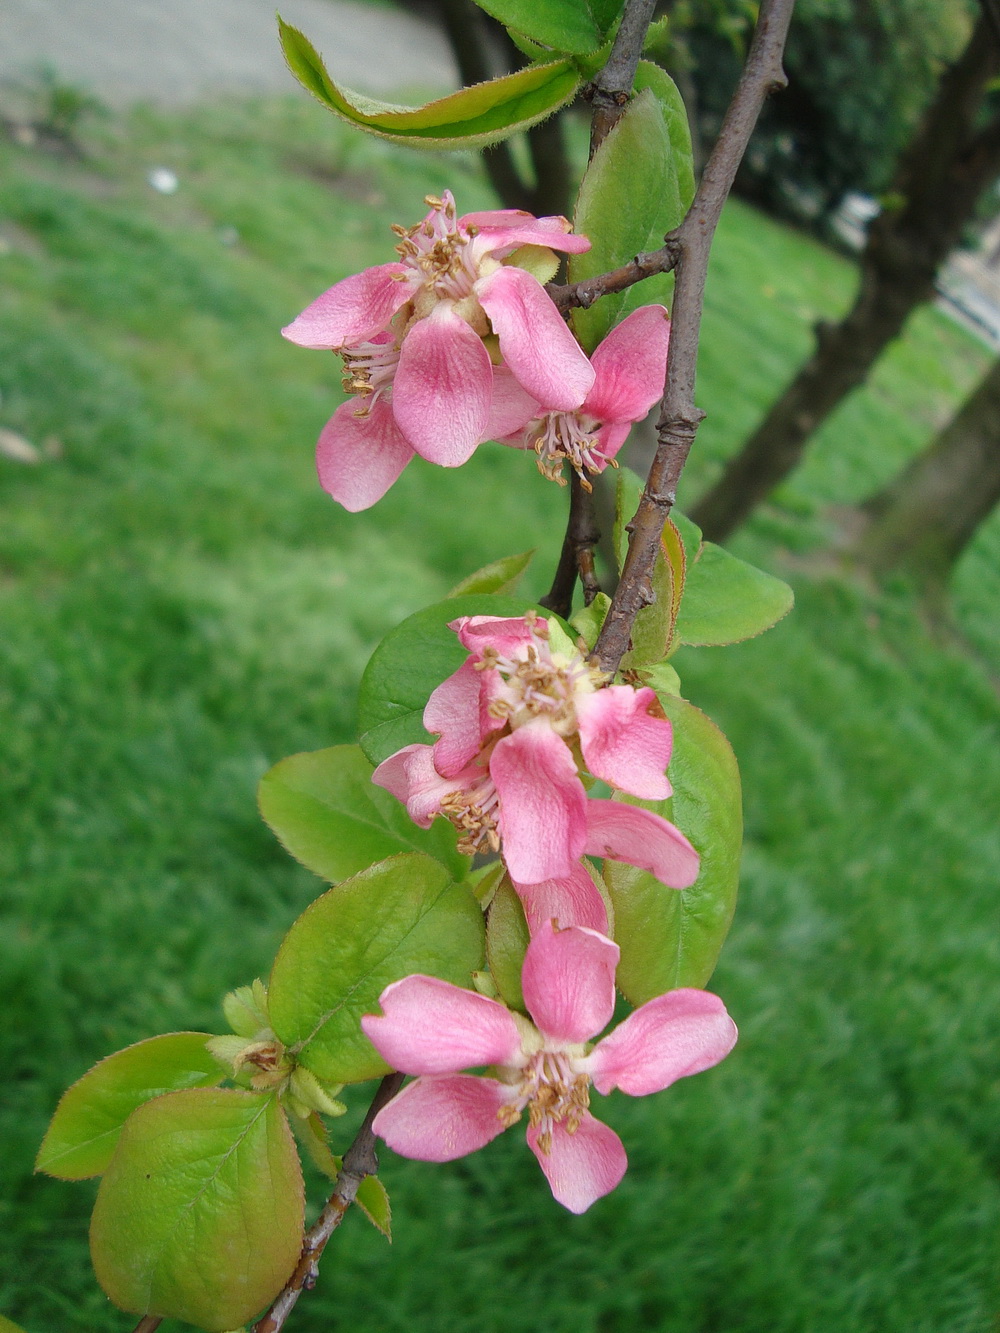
[946, 167]
[923, 520]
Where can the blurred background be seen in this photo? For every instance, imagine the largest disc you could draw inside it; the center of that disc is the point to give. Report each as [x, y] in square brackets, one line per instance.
[181, 606]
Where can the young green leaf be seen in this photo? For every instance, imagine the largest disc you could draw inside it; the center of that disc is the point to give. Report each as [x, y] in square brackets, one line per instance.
[506, 942]
[588, 620]
[89, 1118]
[727, 600]
[675, 118]
[501, 576]
[629, 200]
[471, 118]
[410, 662]
[403, 915]
[652, 629]
[328, 813]
[564, 25]
[7, 1326]
[671, 937]
[199, 1217]
[373, 1200]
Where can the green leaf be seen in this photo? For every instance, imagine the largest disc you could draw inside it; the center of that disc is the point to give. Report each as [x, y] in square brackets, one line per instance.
[373, 1200]
[628, 201]
[726, 600]
[506, 941]
[500, 576]
[88, 1120]
[6, 1326]
[410, 662]
[403, 915]
[471, 118]
[675, 118]
[652, 628]
[564, 25]
[199, 1216]
[671, 937]
[328, 813]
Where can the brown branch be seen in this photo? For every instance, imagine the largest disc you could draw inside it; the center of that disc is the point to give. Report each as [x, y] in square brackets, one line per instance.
[612, 88]
[679, 417]
[148, 1324]
[577, 557]
[584, 294]
[359, 1161]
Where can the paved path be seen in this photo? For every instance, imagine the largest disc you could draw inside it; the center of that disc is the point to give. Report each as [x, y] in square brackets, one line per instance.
[182, 50]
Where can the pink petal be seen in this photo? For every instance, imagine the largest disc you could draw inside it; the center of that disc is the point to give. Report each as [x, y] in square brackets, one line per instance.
[412, 778]
[611, 437]
[359, 458]
[680, 1033]
[630, 366]
[443, 387]
[436, 1119]
[351, 311]
[523, 229]
[641, 838]
[536, 342]
[429, 1026]
[623, 743]
[583, 1166]
[568, 979]
[453, 713]
[542, 803]
[512, 407]
[506, 634]
[571, 900]
[495, 217]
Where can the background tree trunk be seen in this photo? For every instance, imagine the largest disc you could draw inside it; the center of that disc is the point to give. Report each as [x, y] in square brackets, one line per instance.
[945, 169]
[924, 519]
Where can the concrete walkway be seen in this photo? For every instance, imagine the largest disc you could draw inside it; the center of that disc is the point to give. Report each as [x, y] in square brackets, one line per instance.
[173, 51]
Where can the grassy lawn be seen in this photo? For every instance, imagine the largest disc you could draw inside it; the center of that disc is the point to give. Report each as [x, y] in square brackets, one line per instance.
[181, 606]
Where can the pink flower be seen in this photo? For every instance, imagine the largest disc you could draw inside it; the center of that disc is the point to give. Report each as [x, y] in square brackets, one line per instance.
[630, 366]
[433, 1029]
[411, 337]
[514, 722]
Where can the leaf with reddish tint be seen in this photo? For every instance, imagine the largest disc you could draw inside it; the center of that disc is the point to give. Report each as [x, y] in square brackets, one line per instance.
[199, 1216]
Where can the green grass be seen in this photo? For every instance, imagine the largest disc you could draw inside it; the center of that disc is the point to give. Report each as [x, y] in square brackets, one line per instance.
[182, 606]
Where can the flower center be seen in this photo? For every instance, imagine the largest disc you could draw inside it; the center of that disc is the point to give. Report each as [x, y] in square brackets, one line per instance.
[438, 252]
[537, 686]
[573, 437]
[368, 371]
[553, 1092]
[473, 811]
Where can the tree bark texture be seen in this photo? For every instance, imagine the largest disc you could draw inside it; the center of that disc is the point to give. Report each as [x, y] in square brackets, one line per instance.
[924, 519]
[943, 172]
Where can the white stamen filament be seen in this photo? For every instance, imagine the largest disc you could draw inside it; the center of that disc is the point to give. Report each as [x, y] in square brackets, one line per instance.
[554, 1093]
[572, 437]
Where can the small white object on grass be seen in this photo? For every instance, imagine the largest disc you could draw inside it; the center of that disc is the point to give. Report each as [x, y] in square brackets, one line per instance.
[163, 180]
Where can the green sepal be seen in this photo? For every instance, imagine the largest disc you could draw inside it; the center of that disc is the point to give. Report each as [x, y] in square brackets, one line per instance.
[588, 620]
[473, 117]
[410, 662]
[628, 201]
[82, 1135]
[326, 811]
[727, 600]
[670, 937]
[484, 881]
[401, 916]
[199, 1216]
[500, 576]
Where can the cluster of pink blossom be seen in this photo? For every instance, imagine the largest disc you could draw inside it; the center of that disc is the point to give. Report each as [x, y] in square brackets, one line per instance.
[457, 343]
[516, 724]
